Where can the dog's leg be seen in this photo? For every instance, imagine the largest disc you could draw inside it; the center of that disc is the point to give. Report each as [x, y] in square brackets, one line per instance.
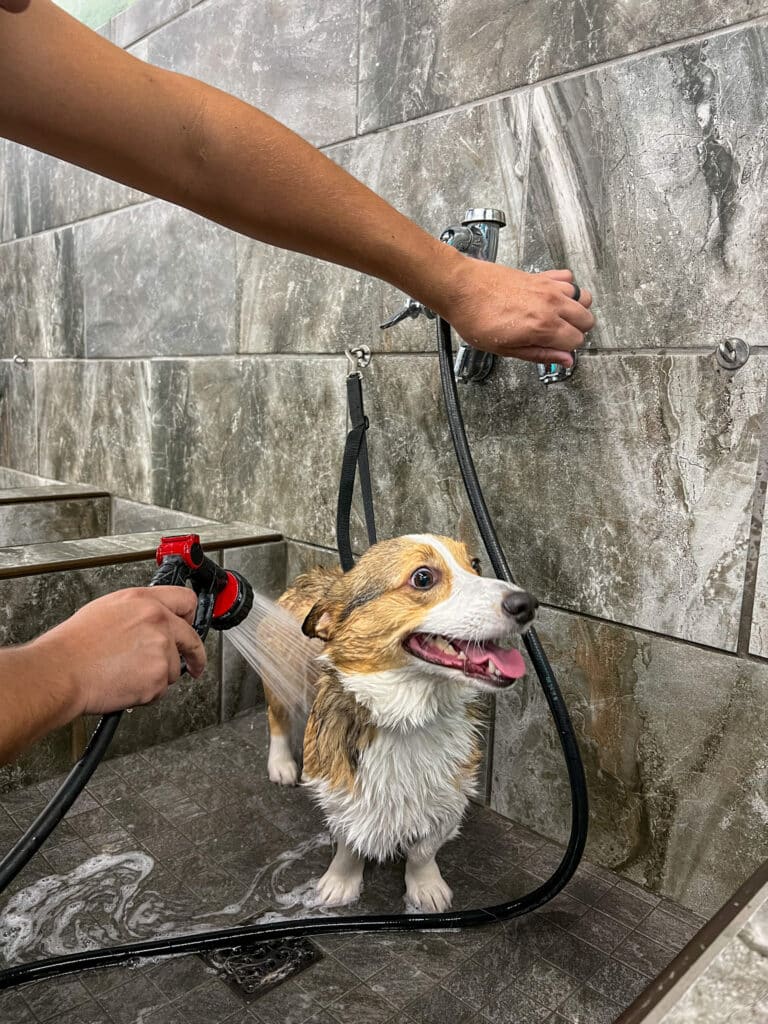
[281, 765]
[425, 887]
[343, 880]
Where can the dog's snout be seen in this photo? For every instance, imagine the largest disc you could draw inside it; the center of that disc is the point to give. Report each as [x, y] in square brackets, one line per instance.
[520, 605]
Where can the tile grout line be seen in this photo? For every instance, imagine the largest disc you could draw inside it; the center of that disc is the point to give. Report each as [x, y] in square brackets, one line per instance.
[754, 542]
[645, 631]
[359, 63]
[84, 220]
[649, 51]
[697, 351]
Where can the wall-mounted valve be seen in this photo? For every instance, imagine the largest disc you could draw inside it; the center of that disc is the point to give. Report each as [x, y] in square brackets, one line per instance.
[553, 373]
[478, 237]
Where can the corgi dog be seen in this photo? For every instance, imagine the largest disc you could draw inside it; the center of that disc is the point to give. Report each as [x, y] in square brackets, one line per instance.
[410, 638]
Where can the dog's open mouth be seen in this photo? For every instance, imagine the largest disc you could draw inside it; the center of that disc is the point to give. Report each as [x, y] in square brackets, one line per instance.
[497, 666]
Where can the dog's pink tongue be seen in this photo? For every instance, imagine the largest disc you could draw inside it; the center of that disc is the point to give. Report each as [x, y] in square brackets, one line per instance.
[508, 661]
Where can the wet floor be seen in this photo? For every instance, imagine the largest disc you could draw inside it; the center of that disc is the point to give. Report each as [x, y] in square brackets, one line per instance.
[190, 835]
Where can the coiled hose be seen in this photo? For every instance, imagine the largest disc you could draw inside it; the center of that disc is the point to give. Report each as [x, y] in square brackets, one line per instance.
[242, 935]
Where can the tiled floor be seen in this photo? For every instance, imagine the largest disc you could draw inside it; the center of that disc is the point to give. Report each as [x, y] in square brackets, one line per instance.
[195, 837]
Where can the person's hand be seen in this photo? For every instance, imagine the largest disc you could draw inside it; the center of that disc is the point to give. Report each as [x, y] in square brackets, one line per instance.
[513, 313]
[125, 649]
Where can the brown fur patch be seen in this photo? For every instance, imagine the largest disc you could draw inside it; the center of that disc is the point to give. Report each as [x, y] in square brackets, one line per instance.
[337, 732]
[468, 770]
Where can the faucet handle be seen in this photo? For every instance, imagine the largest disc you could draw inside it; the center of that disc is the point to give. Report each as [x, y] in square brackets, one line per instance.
[411, 311]
[472, 366]
[553, 373]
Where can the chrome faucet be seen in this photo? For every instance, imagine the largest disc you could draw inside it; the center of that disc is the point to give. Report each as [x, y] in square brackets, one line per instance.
[478, 237]
[553, 373]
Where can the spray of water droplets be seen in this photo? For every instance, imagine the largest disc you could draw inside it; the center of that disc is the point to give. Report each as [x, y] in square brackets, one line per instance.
[271, 641]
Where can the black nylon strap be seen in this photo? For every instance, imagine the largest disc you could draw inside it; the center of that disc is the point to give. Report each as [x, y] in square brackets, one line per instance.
[355, 455]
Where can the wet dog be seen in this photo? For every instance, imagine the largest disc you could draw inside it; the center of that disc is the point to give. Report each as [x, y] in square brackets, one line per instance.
[410, 637]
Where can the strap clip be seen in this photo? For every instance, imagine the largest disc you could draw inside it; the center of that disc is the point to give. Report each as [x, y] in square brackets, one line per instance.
[359, 358]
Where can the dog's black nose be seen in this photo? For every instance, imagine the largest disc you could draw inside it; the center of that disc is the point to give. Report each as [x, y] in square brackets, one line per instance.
[520, 605]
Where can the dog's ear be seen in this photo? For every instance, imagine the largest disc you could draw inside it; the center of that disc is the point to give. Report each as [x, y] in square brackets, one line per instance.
[320, 621]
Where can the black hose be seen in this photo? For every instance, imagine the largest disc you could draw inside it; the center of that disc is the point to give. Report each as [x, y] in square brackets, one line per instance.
[247, 934]
[70, 789]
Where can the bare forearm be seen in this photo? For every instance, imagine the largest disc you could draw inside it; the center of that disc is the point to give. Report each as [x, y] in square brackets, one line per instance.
[263, 180]
[84, 100]
[35, 698]
[67, 91]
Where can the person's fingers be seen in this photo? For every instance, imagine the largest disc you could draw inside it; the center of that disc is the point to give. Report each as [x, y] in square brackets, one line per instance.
[174, 664]
[567, 337]
[577, 315]
[189, 644]
[534, 354]
[182, 601]
[558, 275]
[568, 289]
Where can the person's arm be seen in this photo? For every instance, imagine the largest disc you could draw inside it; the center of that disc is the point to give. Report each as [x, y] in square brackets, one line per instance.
[118, 651]
[69, 92]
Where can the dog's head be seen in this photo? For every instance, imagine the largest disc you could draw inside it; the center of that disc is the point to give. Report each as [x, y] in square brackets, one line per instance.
[422, 599]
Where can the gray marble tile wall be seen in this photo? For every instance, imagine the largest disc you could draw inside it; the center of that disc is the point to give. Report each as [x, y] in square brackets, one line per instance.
[674, 744]
[174, 363]
[419, 56]
[34, 522]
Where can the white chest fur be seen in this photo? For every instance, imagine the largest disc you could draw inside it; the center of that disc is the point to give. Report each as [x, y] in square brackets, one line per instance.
[411, 783]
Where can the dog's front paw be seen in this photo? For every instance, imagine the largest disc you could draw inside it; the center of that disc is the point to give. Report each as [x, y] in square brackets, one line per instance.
[427, 890]
[283, 770]
[335, 889]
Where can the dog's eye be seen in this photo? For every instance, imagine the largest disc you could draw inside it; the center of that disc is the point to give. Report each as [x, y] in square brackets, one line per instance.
[423, 579]
[477, 565]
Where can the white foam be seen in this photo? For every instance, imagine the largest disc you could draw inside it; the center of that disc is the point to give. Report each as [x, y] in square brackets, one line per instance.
[108, 899]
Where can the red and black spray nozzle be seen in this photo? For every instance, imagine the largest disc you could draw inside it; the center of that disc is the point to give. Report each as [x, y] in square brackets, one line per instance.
[224, 597]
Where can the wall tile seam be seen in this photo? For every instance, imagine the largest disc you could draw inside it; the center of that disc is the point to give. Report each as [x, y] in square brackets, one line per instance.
[312, 544]
[758, 352]
[522, 219]
[201, 5]
[733, 655]
[759, 21]
[36, 405]
[754, 543]
[357, 77]
[82, 220]
[225, 357]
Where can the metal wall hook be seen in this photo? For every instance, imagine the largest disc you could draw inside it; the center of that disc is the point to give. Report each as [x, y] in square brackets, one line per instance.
[732, 353]
[359, 357]
[20, 361]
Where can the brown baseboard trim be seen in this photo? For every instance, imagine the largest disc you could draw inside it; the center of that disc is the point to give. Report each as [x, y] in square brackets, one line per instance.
[699, 944]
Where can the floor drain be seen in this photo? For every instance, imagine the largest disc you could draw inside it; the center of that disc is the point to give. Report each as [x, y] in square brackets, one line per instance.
[253, 971]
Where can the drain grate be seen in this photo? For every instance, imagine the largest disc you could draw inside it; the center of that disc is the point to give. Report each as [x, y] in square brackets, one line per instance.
[253, 971]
